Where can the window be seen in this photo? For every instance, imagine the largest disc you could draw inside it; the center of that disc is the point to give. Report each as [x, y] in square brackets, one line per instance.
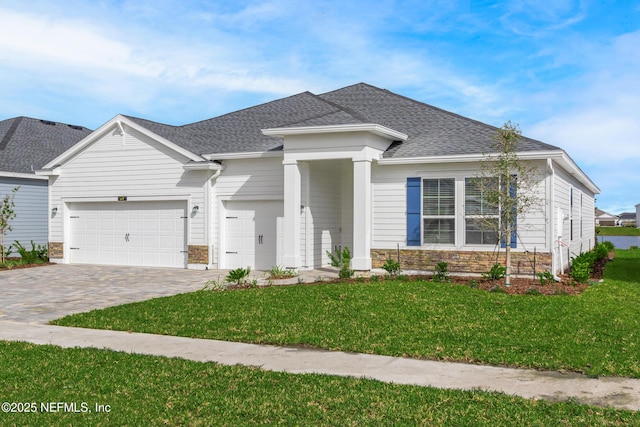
[481, 217]
[438, 211]
[571, 214]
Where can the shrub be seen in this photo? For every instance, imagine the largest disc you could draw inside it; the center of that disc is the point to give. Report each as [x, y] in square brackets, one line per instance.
[278, 272]
[608, 245]
[546, 278]
[342, 260]
[600, 252]
[392, 267]
[441, 273]
[496, 272]
[238, 276]
[214, 285]
[581, 267]
[37, 253]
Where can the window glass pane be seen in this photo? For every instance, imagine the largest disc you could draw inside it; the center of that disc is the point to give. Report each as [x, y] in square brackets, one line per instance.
[479, 232]
[475, 199]
[439, 231]
[438, 197]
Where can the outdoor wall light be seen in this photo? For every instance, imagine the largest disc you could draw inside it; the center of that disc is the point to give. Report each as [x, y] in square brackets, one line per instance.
[54, 211]
[195, 208]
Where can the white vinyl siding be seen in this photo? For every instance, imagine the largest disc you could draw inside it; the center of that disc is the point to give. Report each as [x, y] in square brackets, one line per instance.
[251, 179]
[565, 215]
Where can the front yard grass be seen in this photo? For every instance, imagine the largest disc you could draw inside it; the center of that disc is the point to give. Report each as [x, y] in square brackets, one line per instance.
[595, 332]
[148, 390]
[618, 231]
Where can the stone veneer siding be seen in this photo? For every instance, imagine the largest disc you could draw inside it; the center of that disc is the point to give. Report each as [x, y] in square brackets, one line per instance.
[198, 254]
[56, 250]
[461, 261]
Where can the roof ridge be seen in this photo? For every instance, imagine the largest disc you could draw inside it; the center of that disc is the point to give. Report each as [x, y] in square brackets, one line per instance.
[447, 112]
[347, 110]
[10, 132]
[306, 92]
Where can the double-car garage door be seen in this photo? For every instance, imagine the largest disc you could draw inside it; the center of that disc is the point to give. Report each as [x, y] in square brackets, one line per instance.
[149, 234]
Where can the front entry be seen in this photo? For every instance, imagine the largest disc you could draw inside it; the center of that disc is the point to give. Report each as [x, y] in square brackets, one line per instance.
[251, 234]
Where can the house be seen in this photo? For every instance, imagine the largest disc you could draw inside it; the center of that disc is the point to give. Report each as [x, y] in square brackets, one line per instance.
[605, 219]
[27, 144]
[627, 219]
[283, 182]
[637, 214]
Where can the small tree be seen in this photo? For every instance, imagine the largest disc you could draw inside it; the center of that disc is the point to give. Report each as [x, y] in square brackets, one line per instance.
[506, 183]
[7, 213]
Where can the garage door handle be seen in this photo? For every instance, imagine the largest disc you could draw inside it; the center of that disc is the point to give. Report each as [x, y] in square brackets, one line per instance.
[126, 237]
[75, 248]
[232, 252]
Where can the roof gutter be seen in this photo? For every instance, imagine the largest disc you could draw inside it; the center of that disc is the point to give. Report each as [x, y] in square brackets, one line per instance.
[560, 156]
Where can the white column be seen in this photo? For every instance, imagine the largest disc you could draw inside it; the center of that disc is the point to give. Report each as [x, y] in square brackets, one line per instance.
[292, 185]
[361, 255]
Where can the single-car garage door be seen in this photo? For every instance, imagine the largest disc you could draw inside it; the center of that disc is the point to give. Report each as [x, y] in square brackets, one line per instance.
[148, 234]
[251, 229]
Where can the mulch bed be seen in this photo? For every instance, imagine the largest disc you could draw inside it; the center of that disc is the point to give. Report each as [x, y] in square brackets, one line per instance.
[529, 285]
[17, 266]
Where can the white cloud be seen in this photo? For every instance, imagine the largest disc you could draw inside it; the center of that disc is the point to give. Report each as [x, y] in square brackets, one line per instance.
[27, 40]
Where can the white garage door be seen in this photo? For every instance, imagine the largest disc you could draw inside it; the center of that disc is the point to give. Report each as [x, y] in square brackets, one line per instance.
[148, 234]
[251, 230]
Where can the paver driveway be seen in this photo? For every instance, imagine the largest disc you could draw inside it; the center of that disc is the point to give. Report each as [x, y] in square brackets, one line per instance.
[41, 294]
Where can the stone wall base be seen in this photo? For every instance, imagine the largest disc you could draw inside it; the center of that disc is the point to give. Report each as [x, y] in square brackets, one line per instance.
[198, 254]
[56, 250]
[462, 261]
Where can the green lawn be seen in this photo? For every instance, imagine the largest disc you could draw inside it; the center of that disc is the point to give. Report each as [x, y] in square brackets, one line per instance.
[144, 390]
[618, 231]
[595, 333]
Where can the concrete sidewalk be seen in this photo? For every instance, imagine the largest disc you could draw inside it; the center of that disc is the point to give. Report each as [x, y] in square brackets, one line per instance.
[621, 393]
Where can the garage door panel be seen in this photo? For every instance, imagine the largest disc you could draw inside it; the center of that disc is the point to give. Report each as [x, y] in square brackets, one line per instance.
[131, 233]
[249, 226]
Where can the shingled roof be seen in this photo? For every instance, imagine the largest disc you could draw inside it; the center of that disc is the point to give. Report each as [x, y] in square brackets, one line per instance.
[27, 144]
[432, 131]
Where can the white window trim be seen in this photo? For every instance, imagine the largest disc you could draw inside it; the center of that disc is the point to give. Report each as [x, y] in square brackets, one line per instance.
[456, 198]
[466, 217]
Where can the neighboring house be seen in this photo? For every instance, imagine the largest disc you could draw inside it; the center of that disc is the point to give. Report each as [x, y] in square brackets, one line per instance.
[27, 144]
[637, 214]
[605, 219]
[283, 182]
[627, 219]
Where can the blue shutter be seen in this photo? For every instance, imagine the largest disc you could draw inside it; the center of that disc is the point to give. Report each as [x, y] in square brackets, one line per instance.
[514, 225]
[414, 219]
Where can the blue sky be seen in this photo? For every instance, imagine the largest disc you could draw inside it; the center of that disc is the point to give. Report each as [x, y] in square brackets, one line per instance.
[568, 72]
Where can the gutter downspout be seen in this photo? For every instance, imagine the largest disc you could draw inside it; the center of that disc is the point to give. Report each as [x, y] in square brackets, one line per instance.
[208, 218]
[552, 216]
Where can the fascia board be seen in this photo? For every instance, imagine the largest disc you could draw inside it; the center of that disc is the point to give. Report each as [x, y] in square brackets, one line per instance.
[200, 166]
[243, 155]
[116, 122]
[379, 130]
[22, 175]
